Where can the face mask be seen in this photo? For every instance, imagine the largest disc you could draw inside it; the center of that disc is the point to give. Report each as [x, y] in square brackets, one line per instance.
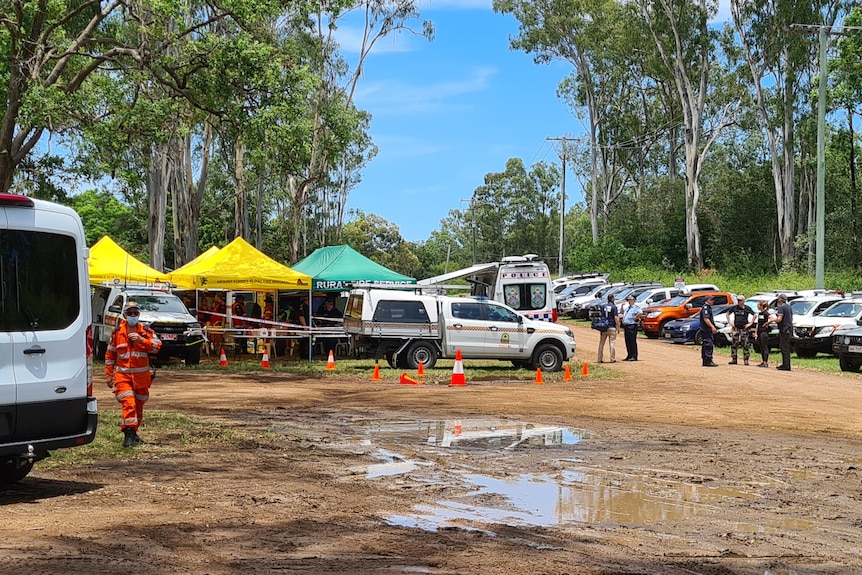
[132, 320]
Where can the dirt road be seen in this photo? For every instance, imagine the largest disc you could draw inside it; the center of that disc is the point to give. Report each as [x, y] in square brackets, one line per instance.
[658, 466]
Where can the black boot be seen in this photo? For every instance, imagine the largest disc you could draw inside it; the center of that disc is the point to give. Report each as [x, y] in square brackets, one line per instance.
[132, 438]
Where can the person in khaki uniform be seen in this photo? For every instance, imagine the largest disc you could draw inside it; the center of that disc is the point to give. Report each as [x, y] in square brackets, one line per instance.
[127, 369]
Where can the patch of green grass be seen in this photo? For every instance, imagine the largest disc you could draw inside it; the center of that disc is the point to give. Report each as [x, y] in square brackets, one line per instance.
[166, 431]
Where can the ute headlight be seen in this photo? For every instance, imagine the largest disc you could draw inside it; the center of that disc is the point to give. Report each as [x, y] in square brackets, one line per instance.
[653, 314]
[570, 333]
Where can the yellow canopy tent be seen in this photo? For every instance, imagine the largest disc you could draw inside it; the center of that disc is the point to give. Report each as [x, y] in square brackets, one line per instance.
[239, 266]
[180, 271]
[109, 262]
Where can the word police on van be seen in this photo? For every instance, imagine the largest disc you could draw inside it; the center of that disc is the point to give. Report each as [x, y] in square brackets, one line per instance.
[46, 354]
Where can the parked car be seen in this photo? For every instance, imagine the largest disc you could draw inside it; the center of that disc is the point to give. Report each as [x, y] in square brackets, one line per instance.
[814, 335]
[656, 295]
[570, 305]
[579, 289]
[582, 310]
[620, 296]
[687, 329]
[847, 345]
[591, 277]
[804, 308]
[680, 307]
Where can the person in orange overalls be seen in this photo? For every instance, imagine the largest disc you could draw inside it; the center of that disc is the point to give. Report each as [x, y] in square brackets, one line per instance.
[127, 369]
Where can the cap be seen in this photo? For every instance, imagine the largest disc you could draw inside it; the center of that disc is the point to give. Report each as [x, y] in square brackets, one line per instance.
[710, 296]
[131, 305]
[630, 297]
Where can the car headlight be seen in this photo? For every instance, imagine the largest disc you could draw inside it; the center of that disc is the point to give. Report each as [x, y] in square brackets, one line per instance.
[653, 314]
[824, 331]
[684, 327]
[570, 333]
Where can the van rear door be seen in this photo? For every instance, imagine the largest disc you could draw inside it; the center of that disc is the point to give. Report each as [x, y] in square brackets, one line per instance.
[44, 317]
[7, 375]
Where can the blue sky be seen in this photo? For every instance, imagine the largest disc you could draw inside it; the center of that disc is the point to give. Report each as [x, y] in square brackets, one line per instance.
[447, 112]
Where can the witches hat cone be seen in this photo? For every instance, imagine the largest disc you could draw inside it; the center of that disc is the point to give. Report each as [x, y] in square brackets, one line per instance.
[567, 375]
[330, 363]
[585, 371]
[376, 375]
[222, 358]
[407, 380]
[264, 359]
[539, 378]
[458, 371]
[420, 371]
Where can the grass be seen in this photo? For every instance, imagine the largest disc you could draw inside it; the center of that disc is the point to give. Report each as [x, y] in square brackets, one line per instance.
[168, 431]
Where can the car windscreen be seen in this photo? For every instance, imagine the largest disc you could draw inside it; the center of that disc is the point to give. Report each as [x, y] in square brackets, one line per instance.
[843, 309]
[161, 303]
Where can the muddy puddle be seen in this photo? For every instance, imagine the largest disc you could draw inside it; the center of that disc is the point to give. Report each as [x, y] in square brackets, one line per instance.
[492, 486]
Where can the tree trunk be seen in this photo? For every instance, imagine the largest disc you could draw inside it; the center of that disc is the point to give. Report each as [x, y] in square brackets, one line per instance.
[240, 203]
[157, 195]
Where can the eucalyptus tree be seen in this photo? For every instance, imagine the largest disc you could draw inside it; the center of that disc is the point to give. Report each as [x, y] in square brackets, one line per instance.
[846, 72]
[48, 52]
[688, 49]
[588, 35]
[780, 61]
[336, 129]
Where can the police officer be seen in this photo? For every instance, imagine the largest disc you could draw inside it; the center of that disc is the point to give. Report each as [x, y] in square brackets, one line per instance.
[741, 318]
[707, 332]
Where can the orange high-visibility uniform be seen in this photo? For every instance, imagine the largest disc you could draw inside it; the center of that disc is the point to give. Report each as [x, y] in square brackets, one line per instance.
[129, 365]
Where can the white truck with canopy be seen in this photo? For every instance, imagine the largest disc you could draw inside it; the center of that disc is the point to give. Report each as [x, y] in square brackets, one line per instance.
[409, 328]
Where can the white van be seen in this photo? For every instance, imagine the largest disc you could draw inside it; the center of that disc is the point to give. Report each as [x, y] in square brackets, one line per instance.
[521, 282]
[46, 353]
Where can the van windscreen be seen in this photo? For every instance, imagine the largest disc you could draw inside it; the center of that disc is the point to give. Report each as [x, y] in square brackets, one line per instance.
[39, 279]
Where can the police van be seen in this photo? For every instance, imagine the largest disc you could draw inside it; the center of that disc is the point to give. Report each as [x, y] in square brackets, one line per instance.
[46, 353]
[521, 282]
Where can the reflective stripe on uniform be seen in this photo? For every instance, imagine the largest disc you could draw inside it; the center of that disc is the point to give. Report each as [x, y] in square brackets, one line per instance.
[124, 394]
[121, 369]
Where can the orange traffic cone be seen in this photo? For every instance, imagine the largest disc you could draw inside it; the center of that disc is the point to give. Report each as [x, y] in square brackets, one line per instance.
[585, 371]
[458, 371]
[376, 375]
[407, 380]
[264, 359]
[539, 376]
[222, 358]
[420, 371]
[457, 429]
[567, 375]
[330, 363]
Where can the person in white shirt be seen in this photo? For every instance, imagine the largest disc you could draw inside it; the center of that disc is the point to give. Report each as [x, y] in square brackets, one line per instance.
[631, 314]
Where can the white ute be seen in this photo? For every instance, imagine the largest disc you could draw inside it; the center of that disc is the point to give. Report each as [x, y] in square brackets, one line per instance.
[408, 328]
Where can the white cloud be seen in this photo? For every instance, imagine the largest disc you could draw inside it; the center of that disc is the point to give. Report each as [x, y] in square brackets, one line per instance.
[397, 98]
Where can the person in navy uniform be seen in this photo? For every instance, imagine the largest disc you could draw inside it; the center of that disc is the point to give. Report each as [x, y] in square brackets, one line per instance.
[707, 332]
[741, 317]
[784, 319]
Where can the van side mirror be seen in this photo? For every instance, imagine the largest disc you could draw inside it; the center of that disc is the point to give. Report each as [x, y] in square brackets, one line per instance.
[520, 318]
[115, 309]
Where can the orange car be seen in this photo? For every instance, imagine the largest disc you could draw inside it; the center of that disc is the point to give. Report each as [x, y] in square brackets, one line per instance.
[679, 307]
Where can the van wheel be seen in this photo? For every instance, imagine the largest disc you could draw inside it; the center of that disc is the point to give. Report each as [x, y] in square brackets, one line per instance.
[548, 358]
[10, 473]
[193, 355]
[421, 352]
